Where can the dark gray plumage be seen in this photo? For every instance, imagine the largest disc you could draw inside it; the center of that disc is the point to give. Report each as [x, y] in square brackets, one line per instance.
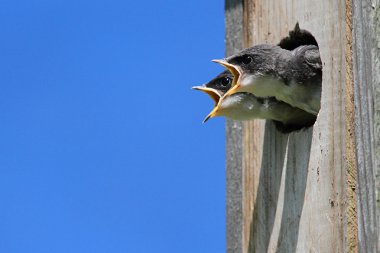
[294, 77]
[221, 82]
[297, 37]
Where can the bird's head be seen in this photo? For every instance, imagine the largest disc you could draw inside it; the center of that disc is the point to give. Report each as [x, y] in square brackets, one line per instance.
[216, 88]
[221, 83]
[249, 66]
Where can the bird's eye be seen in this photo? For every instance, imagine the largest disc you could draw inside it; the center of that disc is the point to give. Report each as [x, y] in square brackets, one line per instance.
[246, 59]
[225, 81]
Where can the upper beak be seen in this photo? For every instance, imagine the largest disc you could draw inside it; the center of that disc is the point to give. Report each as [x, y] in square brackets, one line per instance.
[211, 114]
[235, 71]
[214, 94]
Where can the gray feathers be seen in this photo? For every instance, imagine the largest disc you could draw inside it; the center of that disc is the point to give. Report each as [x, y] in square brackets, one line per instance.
[278, 82]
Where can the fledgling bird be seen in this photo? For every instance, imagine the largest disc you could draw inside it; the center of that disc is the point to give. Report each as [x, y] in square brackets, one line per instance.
[292, 76]
[246, 106]
[297, 37]
[217, 87]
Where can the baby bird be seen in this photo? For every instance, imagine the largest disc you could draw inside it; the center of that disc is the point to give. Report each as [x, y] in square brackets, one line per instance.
[297, 37]
[246, 106]
[292, 76]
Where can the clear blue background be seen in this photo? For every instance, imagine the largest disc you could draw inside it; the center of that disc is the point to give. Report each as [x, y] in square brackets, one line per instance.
[101, 144]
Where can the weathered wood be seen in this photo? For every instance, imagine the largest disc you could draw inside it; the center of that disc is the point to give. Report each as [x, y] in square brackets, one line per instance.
[376, 91]
[234, 33]
[301, 192]
[366, 58]
[351, 223]
[316, 190]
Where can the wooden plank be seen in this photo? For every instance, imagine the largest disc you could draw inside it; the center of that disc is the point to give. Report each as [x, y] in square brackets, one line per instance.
[351, 224]
[234, 148]
[294, 185]
[316, 190]
[376, 91]
[366, 66]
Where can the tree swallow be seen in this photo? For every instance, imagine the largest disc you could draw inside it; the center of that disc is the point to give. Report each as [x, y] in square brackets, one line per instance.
[217, 87]
[246, 106]
[297, 37]
[292, 76]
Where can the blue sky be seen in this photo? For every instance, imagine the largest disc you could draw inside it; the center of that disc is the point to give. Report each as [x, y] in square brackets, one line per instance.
[102, 147]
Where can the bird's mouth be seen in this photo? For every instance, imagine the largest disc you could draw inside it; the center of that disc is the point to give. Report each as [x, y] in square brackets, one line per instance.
[235, 70]
[213, 94]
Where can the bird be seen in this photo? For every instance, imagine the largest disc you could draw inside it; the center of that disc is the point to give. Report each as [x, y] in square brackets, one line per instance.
[246, 106]
[297, 37]
[217, 87]
[292, 76]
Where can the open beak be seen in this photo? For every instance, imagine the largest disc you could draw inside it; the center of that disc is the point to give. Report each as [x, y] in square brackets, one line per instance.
[232, 68]
[233, 90]
[211, 114]
[214, 94]
[235, 71]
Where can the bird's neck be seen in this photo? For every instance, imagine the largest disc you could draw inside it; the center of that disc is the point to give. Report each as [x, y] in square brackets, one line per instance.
[306, 97]
[280, 111]
[271, 109]
[265, 85]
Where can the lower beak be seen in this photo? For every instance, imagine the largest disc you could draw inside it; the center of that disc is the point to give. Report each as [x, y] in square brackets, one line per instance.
[212, 114]
[233, 90]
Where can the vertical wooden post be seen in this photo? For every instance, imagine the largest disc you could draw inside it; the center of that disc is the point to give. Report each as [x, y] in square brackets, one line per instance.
[366, 73]
[234, 33]
[312, 190]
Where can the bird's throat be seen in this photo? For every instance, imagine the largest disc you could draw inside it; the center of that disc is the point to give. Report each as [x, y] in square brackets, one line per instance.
[261, 85]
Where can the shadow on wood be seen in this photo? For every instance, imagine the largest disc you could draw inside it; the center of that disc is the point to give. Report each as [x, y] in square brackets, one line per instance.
[295, 186]
[280, 164]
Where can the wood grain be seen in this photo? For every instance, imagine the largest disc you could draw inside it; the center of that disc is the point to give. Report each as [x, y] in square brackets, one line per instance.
[234, 148]
[366, 72]
[351, 218]
[376, 91]
[300, 193]
[316, 190]
[294, 186]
